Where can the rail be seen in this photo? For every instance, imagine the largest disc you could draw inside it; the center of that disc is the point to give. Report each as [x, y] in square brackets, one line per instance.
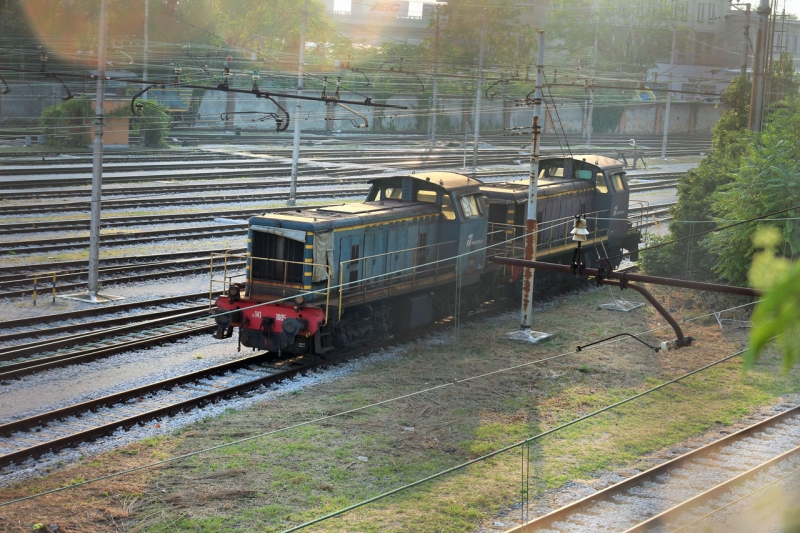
[411, 264]
[227, 280]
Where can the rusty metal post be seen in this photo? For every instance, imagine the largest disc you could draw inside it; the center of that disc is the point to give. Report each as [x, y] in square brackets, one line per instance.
[35, 281]
[530, 220]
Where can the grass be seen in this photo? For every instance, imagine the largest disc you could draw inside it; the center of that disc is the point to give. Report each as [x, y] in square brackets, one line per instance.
[272, 483]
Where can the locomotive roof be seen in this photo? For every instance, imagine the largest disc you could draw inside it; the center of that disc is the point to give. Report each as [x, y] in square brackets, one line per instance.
[551, 185]
[545, 186]
[600, 161]
[344, 215]
[448, 181]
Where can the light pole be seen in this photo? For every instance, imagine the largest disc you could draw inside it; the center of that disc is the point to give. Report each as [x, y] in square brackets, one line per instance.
[297, 109]
[97, 160]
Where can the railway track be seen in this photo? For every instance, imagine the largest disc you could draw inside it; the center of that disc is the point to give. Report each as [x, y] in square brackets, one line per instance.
[24, 285]
[335, 190]
[66, 207]
[65, 427]
[25, 193]
[199, 388]
[117, 335]
[346, 166]
[25, 272]
[121, 239]
[688, 488]
[222, 230]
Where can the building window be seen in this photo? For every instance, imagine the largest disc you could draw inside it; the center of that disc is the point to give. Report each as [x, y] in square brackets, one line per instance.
[343, 7]
[415, 10]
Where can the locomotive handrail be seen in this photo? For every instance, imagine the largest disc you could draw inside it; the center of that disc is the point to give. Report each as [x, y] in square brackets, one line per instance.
[226, 279]
[514, 232]
[389, 273]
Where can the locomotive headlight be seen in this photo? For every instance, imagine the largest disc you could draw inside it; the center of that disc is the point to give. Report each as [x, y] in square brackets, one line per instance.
[579, 233]
[233, 293]
[299, 300]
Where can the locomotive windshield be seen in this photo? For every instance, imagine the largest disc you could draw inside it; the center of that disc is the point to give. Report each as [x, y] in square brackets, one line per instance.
[601, 183]
[472, 205]
[618, 180]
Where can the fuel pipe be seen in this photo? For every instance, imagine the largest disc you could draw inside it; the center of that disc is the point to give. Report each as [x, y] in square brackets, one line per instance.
[605, 275]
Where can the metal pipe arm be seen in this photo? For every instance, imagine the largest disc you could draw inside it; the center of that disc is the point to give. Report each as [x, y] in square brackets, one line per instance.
[626, 277]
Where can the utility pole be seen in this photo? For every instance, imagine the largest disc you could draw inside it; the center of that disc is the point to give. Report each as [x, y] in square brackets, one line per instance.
[591, 90]
[669, 91]
[757, 93]
[531, 235]
[146, 41]
[97, 159]
[746, 45]
[297, 109]
[435, 106]
[478, 97]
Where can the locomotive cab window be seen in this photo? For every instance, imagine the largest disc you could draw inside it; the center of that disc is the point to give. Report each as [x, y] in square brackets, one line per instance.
[426, 196]
[618, 181]
[600, 184]
[392, 193]
[551, 172]
[447, 208]
[471, 205]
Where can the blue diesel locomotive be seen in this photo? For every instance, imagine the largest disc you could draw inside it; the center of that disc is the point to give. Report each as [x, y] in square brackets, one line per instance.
[320, 278]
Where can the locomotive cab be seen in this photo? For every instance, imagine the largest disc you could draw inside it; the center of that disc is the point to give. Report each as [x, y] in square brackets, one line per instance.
[587, 184]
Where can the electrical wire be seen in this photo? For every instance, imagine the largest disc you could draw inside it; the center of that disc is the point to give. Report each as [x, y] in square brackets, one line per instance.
[385, 402]
[715, 230]
[509, 447]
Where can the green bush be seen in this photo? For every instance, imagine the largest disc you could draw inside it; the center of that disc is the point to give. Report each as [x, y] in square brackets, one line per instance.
[152, 125]
[65, 124]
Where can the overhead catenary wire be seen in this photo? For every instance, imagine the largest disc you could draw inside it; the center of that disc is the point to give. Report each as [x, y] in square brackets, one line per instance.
[384, 402]
[715, 230]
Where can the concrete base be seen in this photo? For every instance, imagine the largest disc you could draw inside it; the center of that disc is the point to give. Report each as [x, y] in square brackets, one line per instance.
[96, 299]
[622, 305]
[528, 336]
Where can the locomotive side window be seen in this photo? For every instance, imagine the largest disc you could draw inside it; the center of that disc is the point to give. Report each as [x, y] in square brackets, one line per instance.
[426, 196]
[392, 193]
[471, 205]
[447, 208]
[601, 183]
[619, 183]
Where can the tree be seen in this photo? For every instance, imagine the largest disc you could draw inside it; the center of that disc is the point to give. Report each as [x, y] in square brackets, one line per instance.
[734, 167]
[778, 314]
[767, 181]
[693, 212]
[508, 42]
[631, 36]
